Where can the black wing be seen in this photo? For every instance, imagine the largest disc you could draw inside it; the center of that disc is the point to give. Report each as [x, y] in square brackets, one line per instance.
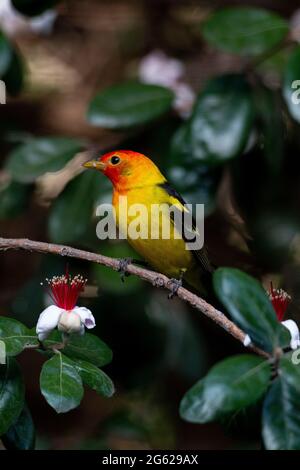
[201, 255]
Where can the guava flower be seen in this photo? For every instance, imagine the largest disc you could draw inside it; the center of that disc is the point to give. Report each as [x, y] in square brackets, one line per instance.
[64, 313]
[280, 301]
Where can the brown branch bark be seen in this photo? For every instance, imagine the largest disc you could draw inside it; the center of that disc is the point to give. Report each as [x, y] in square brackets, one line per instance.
[156, 279]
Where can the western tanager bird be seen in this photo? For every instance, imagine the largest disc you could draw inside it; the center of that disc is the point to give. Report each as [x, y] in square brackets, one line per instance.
[136, 176]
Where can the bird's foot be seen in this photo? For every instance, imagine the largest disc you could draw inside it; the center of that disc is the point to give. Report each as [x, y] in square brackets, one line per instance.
[122, 269]
[174, 286]
[158, 282]
[123, 265]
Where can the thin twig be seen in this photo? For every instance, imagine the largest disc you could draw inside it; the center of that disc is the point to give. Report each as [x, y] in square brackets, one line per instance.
[156, 279]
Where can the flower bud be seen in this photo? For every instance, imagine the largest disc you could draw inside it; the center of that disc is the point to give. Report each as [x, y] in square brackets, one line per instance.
[69, 322]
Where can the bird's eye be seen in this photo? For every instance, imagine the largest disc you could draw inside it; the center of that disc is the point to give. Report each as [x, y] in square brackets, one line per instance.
[115, 160]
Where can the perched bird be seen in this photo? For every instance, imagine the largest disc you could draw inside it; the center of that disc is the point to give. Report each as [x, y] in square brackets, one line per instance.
[138, 178]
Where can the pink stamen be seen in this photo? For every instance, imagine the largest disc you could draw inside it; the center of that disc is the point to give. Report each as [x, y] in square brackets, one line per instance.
[280, 301]
[65, 290]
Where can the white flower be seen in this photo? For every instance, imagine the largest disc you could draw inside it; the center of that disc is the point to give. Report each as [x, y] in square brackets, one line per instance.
[159, 69]
[184, 99]
[294, 332]
[67, 321]
[64, 313]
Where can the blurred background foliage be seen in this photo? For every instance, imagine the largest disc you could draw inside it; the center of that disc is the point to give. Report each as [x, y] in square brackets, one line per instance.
[206, 93]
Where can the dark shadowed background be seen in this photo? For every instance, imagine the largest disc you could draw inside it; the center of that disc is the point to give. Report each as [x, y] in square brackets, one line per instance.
[251, 193]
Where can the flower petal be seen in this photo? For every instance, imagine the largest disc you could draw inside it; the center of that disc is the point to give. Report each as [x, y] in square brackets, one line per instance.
[294, 331]
[47, 321]
[86, 317]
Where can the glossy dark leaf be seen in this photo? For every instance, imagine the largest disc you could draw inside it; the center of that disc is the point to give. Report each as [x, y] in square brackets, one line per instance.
[220, 124]
[128, 105]
[11, 394]
[60, 383]
[16, 336]
[231, 385]
[21, 435]
[11, 68]
[33, 7]
[291, 84]
[244, 30]
[181, 148]
[88, 347]
[39, 156]
[281, 411]
[14, 75]
[249, 306]
[6, 53]
[95, 378]
[197, 184]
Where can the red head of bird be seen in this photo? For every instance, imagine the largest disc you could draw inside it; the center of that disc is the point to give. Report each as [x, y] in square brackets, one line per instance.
[127, 169]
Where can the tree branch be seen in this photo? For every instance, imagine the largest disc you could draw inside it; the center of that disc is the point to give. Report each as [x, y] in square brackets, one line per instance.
[156, 279]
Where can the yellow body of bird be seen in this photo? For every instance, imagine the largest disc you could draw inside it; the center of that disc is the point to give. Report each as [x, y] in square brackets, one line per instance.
[137, 181]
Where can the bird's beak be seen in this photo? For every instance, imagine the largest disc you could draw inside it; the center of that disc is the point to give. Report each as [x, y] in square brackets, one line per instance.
[94, 164]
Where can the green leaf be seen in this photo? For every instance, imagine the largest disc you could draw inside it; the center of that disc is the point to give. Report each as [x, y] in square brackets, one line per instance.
[11, 68]
[41, 155]
[33, 7]
[219, 127]
[230, 386]
[11, 394]
[128, 105]
[244, 30]
[249, 306]
[95, 378]
[6, 52]
[15, 336]
[13, 199]
[21, 435]
[196, 181]
[88, 347]
[61, 384]
[291, 84]
[198, 184]
[72, 212]
[14, 76]
[281, 410]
